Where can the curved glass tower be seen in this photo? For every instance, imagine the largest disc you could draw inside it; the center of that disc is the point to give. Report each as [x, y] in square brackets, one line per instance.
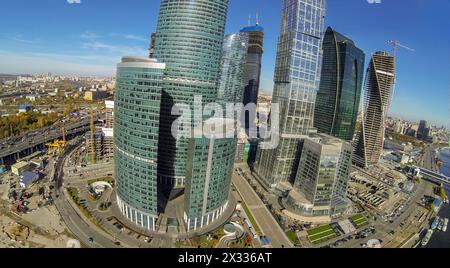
[231, 80]
[341, 83]
[137, 107]
[189, 40]
[153, 166]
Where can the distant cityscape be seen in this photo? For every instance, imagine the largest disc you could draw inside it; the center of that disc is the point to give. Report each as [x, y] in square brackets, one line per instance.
[182, 149]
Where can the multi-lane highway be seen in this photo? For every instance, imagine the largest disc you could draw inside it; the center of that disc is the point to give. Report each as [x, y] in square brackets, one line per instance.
[12, 148]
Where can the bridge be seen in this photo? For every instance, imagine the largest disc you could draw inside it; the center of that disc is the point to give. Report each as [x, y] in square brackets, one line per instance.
[30, 145]
[432, 176]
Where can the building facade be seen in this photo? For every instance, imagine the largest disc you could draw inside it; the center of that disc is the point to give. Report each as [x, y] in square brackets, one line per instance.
[154, 165]
[234, 54]
[423, 132]
[136, 134]
[339, 96]
[189, 40]
[108, 131]
[379, 88]
[297, 76]
[252, 71]
[320, 187]
[208, 182]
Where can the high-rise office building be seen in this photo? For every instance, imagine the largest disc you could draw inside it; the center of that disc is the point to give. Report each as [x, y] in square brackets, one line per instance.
[189, 40]
[252, 72]
[423, 131]
[136, 134]
[339, 96]
[234, 54]
[379, 88]
[297, 76]
[153, 165]
[211, 157]
[209, 170]
[320, 187]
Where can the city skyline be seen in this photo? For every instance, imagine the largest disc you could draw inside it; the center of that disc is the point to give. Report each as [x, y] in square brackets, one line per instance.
[146, 157]
[80, 46]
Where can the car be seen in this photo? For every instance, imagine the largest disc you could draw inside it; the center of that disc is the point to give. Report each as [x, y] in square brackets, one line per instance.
[91, 240]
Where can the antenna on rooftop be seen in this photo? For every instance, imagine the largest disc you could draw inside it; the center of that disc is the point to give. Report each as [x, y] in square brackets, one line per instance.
[257, 18]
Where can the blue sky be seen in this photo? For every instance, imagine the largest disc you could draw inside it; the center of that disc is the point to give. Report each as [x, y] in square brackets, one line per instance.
[89, 38]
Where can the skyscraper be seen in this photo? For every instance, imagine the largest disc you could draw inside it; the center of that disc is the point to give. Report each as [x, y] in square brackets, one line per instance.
[208, 177]
[339, 96]
[423, 131]
[252, 72]
[211, 158]
[234, 54]
[379, 88]
[189, 39]
[320, 187]
[297, 76]
[154, 166]
[136, 134]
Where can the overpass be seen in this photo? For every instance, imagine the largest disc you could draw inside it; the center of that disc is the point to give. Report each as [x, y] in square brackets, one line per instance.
[431, 175]
[29, 145]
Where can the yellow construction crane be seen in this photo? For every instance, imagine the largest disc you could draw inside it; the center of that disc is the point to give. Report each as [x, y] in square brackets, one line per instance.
[57, 146]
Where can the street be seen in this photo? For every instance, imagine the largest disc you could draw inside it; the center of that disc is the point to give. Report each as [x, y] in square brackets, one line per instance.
[262, 215]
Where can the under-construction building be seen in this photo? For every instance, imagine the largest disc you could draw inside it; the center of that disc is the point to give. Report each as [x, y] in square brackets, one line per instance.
[379, 90]
[100, 146]
[96, 154]
[108, 132]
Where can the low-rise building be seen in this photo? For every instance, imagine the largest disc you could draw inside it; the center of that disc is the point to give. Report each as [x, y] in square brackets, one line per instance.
[95, 95]
[19, 168]
[28, 178]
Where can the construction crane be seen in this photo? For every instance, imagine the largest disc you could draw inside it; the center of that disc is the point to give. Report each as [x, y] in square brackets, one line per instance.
[395, 45]
[57, 146]
[92, 139]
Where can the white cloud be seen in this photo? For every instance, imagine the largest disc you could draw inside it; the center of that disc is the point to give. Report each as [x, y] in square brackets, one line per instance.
[93, 42]
[74, 1]
[64, 64]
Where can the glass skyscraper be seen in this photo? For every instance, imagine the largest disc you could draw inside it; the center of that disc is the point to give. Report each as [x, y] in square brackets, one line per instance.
[297, 76]
[339, 96]
[211, 158]
[379, 89]
[208, 176]
[320, 187]
[136, 134]
[189, 39]
[233, 61]
[153, 166]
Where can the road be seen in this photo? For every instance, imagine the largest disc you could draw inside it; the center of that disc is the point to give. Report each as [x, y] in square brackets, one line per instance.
[77, 225]
[429, 159]
[384, 228]
[22, 143]
[262, 215]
